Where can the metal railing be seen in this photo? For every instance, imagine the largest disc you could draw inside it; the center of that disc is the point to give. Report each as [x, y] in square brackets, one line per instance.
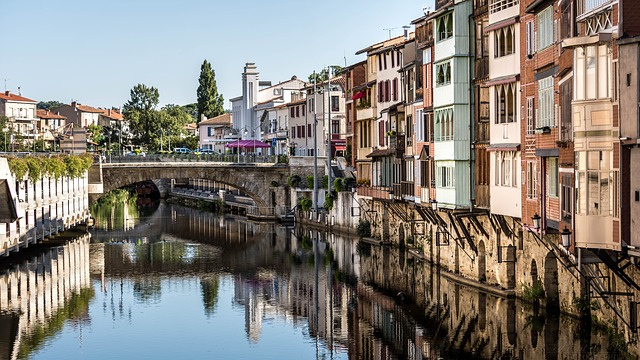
[584, 6]
[202, 158]
[499, 5]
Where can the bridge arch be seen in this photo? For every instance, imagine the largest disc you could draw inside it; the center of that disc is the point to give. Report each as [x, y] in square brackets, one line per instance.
[253, 179]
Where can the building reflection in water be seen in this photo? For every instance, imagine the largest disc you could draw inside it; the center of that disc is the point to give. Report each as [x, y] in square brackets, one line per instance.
[40, 292]
[346, 297]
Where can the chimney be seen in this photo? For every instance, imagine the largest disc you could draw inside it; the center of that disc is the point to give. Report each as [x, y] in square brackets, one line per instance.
[7, 92]
[202, 117]
[406, 32]
[109, 112]
[74, 104]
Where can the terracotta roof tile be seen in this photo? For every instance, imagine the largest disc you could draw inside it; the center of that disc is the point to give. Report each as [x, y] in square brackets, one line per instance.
[85, 108]
[224, 119]
[13, 97]
[112, 114]
[46, 114]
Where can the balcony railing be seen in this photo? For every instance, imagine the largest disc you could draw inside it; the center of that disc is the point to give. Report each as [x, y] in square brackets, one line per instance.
[404, 188]
[499, 5]
[584, 6]
[376, 192]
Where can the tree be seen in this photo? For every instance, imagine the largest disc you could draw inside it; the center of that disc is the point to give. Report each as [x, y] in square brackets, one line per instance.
[141, 112]
[210, 103]
[48, 105]
[7, 131]
[96, 134]
[322, 75]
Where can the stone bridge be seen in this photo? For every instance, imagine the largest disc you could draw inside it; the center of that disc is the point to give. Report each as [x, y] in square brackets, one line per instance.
[253, 179]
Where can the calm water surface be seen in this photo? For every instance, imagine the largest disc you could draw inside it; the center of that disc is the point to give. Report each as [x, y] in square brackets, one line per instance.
[176, 283]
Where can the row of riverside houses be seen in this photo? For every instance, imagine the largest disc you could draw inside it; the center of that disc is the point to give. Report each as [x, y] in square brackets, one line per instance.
[27, 125]
[501, 138]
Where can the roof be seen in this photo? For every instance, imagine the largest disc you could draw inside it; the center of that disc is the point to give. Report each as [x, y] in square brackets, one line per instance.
[339, 80]
[46, 114]
[191, 126]
[13, 97]
[86, 108]
[224, 119]
[297, 102]
[112, 114]
[381, 153]
[383, 45]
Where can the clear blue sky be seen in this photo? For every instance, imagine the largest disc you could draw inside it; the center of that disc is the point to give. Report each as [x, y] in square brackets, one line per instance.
[96, 51]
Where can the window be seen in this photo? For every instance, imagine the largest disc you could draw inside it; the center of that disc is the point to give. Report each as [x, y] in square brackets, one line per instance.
[302, 132]
[303, 110]
[504, 41]
[566, 202]
[395, 89]
[443, 74]
[384, 60]
[387, 90]
[309, 132]
[531, 125]
[409, 131]
[312, 105]
[335, 126]
[592, 78]
[544, 24]
[545, 103]
[297, 111]
[499, 5]
[506, 106]
[444, 124]
[445, 176]
[335, 103]
[292, 112]
[424, 173]
[209, 130]
[393, 61]
[293, 132]
[379, 61]
[444, 27]
[597, 184]
[552, 173]
[532, 180]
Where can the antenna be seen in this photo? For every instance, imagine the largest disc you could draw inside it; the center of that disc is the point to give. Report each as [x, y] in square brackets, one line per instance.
[389, 30]
[5, 84]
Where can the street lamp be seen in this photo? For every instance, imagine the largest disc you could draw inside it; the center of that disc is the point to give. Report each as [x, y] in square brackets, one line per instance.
[536, 221]
[434, 204]
[566, 237]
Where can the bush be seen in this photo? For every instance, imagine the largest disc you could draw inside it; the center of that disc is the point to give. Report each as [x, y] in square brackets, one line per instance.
[328, 201]
[306, 204]
[310, 181]
[364, 228]
[534, 292]
[283, 159]
[325, 182]
[339, 184]
[274, 184]
[294, 181]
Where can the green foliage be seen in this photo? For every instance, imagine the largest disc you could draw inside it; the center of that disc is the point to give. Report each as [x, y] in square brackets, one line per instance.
[294, 181]
[95, 133]
[306, 242]
[48, 105]
[323, 74]
[533, 293]
[339, 184]
[210, 103]
[306, 204]
[583, 305]
[140, 110]
[36, 167]
[364, 228]
[409, 240]
[310, 181]
[283, 159]
[325, 182]
[274, 183]
[328, 201]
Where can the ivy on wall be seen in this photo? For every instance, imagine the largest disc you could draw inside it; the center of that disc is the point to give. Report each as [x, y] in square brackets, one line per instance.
[55, 167]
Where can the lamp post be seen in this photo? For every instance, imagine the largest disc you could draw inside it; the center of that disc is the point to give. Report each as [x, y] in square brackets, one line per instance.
[566, 237]
[434, 204]
[315, 148]
[536, 221]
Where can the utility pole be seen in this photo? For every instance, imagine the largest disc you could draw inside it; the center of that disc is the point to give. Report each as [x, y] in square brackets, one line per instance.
[315, 147]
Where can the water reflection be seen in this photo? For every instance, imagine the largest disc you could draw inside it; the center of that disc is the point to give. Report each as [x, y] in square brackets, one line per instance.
[186, 284]
[40, 293]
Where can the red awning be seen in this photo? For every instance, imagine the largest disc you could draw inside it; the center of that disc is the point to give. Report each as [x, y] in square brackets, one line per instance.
[358, 95]
[341, 147]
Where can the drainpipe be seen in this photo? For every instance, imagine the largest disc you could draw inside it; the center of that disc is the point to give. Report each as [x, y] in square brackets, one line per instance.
[470, 41]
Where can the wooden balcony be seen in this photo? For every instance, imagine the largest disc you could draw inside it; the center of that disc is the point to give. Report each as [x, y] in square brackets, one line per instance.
[375, 192]
[403, 188]
[482, 196]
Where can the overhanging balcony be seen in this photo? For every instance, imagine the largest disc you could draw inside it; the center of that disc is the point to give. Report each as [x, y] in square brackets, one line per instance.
[375, 192]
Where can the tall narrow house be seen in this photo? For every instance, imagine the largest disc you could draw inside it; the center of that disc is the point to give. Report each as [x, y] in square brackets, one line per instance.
[453, 102]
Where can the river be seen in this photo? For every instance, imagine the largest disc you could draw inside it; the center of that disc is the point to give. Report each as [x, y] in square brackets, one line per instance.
[170, 282]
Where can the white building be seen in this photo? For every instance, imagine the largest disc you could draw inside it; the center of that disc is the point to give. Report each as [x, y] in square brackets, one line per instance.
[21, 112]
[250, 111]
[504, 104]
[212, 132]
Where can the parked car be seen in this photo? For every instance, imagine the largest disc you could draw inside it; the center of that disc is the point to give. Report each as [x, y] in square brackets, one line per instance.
[206, 151]
[182, 150]
[135, 153]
